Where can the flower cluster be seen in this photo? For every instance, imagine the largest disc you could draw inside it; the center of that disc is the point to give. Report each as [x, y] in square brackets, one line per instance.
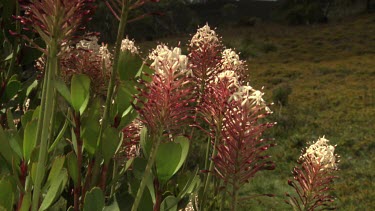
[41, 15]
[169, 94]
[321, 153]
[204, 36]
[129, 45]
[313, 179]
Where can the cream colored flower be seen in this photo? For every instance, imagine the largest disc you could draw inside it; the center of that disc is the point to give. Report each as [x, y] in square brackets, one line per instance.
[89, 44]
[204, 36]
[165, 59]
[250, 97]
[230, 76]
[129, 45]
[322, 153]
[105, 55]
[230, 60]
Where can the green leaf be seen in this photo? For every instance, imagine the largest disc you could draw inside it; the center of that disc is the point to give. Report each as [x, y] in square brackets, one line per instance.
[63, 90]
[26, 202]
[31, 87]
[94, 200]
[73, 167]
[6, 195]
[189, 187]
[128, 65]
[124, 97]
[90, 128]
[170, 157]
[55, 190]
[110, 144]
[5, 150]
[80, 92]
[169, 203]
[57, 165]
[36, 113]
[145, 143]
[113, 207]
[12, 89]
[29, 138]
[26, 118]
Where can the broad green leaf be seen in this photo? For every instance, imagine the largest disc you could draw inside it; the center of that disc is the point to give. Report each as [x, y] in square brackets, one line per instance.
[124, 97]
[29, 138]
[110, 144]
[12, 89]
[189, 187]
[63, 90]
[72, 167]
[128, 65]
[170, 157]
[169, 204]
[94, 200]
[58, 164]
[6, 195]
[56, 188]
[90, 128]
[80, 92]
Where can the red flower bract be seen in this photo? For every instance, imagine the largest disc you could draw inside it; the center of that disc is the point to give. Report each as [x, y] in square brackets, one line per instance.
[57, 19]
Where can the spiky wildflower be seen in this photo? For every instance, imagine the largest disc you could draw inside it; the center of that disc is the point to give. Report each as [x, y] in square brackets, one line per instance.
[205, 57]
[168, 95]
[45, 16]
[313, 179]
[230, 60]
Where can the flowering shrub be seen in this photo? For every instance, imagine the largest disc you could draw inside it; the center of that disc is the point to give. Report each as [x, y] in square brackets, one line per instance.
[113, 130]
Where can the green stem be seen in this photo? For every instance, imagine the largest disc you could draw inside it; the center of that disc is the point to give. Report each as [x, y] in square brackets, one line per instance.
[15, 44]
[44, 121]
[234, 197]
[211, 168]
[111, 86]
[146, 174]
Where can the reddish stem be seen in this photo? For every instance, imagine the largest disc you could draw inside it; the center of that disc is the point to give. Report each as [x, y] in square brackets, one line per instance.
[104, 177]
[158, 195]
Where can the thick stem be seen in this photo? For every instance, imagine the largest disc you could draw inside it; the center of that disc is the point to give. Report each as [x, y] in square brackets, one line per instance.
[158, 195]
[44, 121]
[146, 174]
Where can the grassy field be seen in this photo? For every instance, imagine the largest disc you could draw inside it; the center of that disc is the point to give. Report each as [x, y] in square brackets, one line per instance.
[322, 81]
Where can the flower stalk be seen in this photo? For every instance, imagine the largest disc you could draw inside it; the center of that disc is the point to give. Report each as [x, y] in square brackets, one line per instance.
[45, 116]
[156, 140]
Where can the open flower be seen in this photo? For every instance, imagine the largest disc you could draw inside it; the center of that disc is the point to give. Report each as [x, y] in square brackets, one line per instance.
[321, 153]
[204, 36]
[129, 45]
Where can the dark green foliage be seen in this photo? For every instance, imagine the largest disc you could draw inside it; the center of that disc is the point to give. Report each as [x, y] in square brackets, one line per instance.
[280, 94]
